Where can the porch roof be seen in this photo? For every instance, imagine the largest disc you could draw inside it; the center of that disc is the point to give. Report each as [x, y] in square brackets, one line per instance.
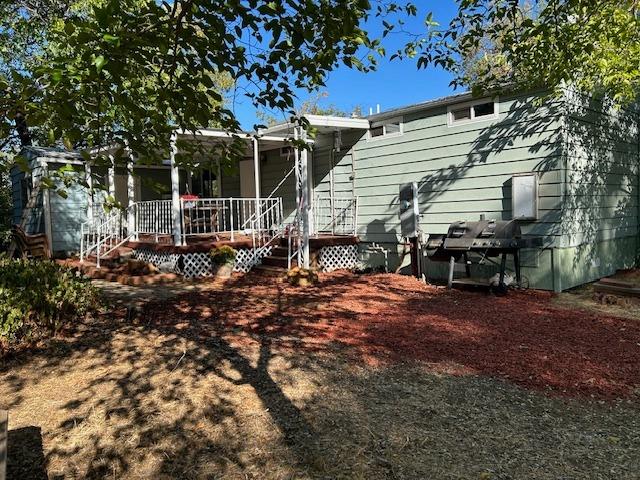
[266, 140]
[322, 123]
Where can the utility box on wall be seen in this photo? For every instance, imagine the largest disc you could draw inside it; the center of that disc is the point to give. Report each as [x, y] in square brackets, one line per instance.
[409, 210]
[524, 196]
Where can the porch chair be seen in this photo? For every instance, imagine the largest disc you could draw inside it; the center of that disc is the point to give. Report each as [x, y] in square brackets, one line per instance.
[30, 246]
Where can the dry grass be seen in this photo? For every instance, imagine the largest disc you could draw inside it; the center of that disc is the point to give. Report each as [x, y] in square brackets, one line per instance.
[584, 298]
[155, 400]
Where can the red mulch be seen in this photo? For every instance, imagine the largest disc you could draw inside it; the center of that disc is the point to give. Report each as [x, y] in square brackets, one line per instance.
[521, 337]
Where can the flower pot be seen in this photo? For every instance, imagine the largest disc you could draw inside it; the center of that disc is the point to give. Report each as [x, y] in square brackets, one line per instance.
[223, 271]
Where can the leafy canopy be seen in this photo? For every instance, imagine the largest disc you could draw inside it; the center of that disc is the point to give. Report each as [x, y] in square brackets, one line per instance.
[132, 71]
[593, 45]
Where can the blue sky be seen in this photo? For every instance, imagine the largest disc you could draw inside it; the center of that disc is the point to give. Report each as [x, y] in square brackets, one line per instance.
[394, 83]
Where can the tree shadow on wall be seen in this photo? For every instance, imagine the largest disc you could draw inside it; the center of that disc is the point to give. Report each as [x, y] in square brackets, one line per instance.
[529, 126]
[601, 179]
[478, 181]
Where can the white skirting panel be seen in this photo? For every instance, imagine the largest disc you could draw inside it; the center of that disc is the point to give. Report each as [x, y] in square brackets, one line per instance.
[197, 265]
[338, 257]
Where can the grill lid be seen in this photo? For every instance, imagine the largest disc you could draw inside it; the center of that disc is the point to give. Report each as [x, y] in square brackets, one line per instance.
[501, 229]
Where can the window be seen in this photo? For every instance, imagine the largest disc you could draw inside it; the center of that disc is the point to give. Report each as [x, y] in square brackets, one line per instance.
[387, 128]
[473, 112]
[483, 109]
[461, 114]
[377, 131]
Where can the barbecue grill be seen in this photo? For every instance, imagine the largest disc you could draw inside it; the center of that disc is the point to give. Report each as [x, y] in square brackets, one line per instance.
[487, 238]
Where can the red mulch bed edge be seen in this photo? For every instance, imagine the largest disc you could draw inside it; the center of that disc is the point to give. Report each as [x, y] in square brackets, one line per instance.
[522, 337]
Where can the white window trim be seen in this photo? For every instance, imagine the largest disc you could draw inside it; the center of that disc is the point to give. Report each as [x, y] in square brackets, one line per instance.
[382, 123]
[451, 122]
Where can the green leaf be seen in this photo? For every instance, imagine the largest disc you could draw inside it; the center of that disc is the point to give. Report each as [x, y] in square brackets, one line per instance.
[107, 37]
[99, 62]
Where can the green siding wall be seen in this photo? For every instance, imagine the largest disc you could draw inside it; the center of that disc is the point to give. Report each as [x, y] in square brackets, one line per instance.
[67, 213]
[16, 176]
[35, 222]
[273, 168]
[342, 161]
[464, 171]
[600, 211]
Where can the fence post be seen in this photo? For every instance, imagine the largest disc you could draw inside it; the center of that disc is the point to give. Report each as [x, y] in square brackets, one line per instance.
[4, 438]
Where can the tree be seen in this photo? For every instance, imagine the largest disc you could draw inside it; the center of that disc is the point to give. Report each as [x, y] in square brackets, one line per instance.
[593, 45]
[310, 106]
[133, 71]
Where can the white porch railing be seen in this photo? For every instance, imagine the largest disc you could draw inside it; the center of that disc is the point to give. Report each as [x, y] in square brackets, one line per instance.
[153, 217]
[337, 215]
[261, 219]
[213, 216]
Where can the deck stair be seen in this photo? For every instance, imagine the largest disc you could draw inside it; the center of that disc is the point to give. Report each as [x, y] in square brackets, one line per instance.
[276, 263]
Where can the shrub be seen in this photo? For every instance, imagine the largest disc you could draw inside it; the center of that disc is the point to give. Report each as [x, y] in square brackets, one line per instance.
[39, 297]
[223, 255]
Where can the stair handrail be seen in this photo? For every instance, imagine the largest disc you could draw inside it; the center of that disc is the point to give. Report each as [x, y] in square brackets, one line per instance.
[251, 218]
[110, 232]
[277, 233]
[353, 204]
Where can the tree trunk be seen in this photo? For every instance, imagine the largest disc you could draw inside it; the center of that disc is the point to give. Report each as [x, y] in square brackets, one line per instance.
[23, 129]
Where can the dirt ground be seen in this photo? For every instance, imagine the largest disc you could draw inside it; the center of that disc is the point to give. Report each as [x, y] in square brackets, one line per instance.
[585, 298]
[361, 377]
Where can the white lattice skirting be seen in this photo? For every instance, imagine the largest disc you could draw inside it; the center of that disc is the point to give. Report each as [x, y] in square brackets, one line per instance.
[195, 265]
[170, 261]
[338, 257]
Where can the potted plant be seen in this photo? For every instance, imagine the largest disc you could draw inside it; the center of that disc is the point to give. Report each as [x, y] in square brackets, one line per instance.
[223, 260]
[302, 277]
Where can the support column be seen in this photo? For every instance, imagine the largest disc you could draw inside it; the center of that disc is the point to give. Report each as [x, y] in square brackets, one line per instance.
[111, 178]
[175, 194]
[304, 201]
[131, 186]
[256, 179]
[89, 180]
[46, 207]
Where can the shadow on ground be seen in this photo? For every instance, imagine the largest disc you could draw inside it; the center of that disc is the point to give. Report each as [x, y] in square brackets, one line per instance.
[25, 454]
[260, 380]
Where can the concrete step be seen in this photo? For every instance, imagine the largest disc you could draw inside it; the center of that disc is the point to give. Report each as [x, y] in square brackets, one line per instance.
[280, 251]
[284, 242]
[269, 271]
[274, 261]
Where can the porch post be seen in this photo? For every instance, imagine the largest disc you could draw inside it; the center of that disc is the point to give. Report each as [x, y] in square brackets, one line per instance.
[305, 201]
[89, 180]
[175, 194]
[112, 176]
[131, 186]
[256, 178]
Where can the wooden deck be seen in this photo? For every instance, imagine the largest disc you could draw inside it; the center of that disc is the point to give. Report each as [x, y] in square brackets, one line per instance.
[206, 243]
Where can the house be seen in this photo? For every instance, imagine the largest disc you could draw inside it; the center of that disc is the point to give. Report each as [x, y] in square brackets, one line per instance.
[462, 151]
